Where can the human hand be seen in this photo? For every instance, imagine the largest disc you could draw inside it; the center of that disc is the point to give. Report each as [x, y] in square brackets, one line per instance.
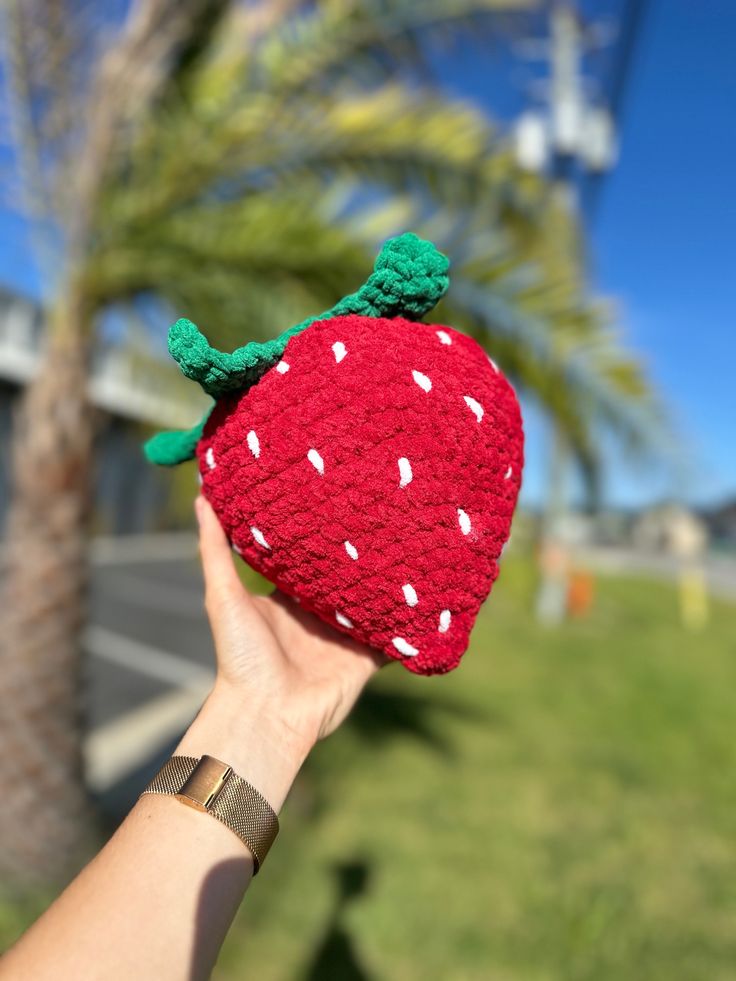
[283, 668]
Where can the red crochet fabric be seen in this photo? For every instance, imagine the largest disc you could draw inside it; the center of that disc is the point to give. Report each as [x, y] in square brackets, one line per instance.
[373, 474]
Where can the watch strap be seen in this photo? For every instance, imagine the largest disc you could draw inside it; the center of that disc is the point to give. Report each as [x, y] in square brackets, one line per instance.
[223, 794]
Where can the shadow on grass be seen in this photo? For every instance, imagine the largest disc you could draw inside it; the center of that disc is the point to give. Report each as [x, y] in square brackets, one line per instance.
[335, 957]
[381, 717]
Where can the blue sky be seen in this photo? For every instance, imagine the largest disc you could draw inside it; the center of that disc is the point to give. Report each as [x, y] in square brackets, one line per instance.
[665, 236]
[663, 233]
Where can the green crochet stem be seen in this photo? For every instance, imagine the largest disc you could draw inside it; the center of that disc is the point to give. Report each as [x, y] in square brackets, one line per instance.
[408, 280]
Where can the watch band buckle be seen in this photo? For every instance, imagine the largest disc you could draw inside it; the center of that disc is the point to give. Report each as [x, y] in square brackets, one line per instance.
[205, 783]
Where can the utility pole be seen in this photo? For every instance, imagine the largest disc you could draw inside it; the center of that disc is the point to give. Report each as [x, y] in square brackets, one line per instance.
[568, 135]
[570, 131]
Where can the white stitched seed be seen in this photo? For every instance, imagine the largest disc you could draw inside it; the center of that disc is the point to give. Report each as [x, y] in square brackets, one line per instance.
[422, 380]
[210, 458]
[493, 363]
[405, 472]
[464, 521]
[253, 445]
[351, 550]
[508, 473]
[475, 407]
[410, 594]
[339, 350]
[316, 460]
[343, 621]
[444, 337]
[258, 535]
[445, 618]
[404, 648]
[282, 367]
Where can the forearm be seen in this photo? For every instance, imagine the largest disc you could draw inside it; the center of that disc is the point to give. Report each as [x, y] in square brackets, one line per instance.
[157, 901]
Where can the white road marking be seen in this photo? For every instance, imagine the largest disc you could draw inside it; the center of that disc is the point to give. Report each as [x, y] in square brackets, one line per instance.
[120, 747]
[166, 547]
[144, 658]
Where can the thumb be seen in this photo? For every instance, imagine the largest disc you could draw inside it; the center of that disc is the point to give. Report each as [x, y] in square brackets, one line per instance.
[220, 577]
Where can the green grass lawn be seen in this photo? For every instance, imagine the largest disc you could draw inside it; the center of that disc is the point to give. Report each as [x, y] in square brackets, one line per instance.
[561, 807]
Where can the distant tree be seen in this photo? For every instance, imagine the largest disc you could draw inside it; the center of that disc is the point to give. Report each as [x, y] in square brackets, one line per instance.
[239, 164]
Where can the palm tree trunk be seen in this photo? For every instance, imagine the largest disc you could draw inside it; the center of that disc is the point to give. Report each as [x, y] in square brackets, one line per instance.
[46, 820]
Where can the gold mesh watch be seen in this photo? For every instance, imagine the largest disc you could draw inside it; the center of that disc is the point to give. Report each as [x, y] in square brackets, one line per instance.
[210, 785]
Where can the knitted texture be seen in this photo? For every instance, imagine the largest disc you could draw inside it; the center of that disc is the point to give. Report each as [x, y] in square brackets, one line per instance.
[373, 473]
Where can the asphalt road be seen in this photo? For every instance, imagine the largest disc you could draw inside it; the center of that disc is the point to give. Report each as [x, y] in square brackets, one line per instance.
[150, 658]
[149, 662]
[155, 604]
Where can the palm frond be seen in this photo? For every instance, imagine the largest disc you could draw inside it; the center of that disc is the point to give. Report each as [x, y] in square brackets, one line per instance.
[308, 52]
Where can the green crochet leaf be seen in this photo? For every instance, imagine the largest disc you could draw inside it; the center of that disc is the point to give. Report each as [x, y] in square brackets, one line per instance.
[175, 445]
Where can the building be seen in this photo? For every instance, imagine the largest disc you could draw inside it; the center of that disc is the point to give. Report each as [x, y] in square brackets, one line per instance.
[133, 398]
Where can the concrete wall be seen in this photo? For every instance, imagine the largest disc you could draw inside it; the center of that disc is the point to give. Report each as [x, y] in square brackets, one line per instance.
[131, 496]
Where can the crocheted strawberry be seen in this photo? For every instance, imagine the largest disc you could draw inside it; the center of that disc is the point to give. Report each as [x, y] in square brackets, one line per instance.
[365, 462]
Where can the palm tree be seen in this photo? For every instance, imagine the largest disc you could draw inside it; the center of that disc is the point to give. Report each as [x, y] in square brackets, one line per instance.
[239, 164]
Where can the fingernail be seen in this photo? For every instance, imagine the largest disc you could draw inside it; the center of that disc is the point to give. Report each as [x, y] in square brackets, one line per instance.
[198, 503]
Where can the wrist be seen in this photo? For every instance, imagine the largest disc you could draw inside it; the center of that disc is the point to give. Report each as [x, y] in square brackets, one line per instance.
[259, 746]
